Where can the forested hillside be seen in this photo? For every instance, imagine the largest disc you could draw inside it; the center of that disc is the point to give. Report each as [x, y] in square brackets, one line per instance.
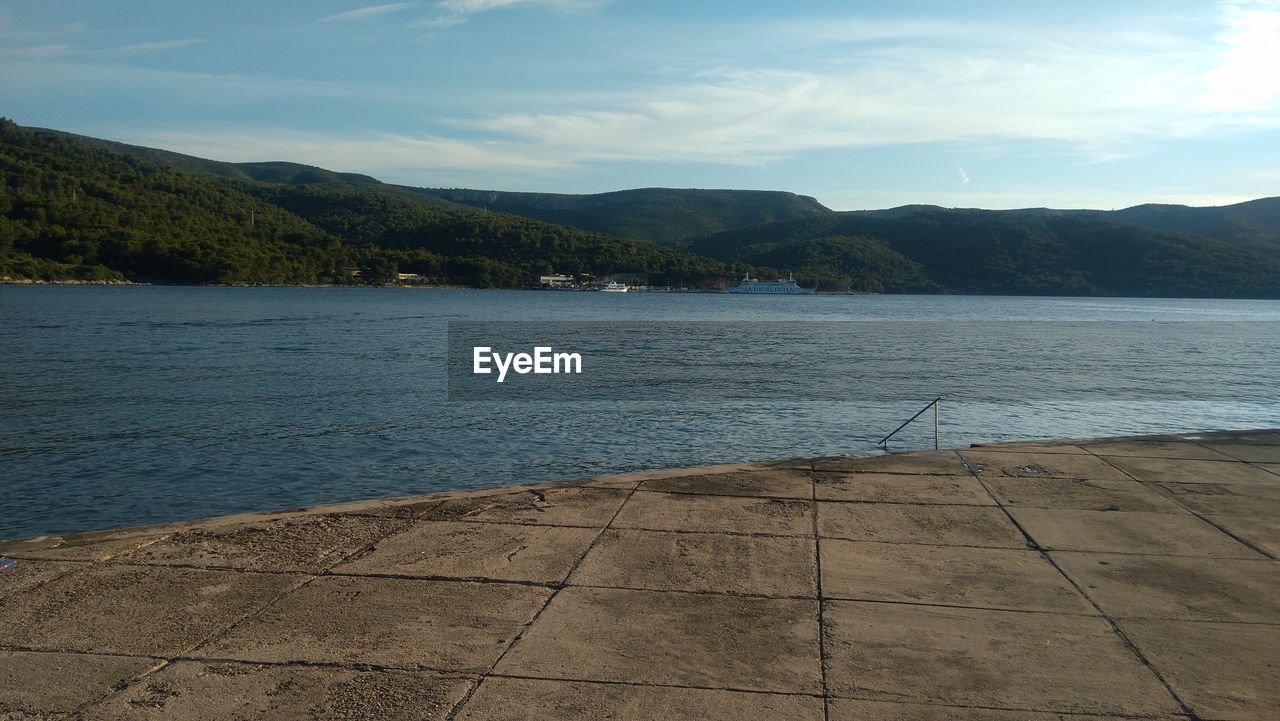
[72, 209]
[659, 215]
[480, 248]
[1254, 224]
[1004, 252]
[81, 208]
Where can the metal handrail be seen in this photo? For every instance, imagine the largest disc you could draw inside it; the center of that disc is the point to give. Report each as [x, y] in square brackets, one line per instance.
[884, 442]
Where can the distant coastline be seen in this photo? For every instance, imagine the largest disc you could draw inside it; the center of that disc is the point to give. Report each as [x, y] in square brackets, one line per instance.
[35, 281]
[26, 282]
[92, 212]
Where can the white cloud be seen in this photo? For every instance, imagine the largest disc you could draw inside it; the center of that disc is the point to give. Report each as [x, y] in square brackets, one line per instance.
[375, 153]
[1105, 94]
[364, 13]
[456, 12]
[76, 76]
[152, 47]
[467, 7]
[1108, 96]
[36, 51]
[9, 30]
[476, 6]
[1247, 76]
[439, 23]
[61, 50]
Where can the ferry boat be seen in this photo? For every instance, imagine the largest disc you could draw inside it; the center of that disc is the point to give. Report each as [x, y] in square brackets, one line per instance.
[613, 287]
[770, 287]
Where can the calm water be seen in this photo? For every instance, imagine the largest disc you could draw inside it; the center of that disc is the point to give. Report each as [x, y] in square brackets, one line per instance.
[135, 405]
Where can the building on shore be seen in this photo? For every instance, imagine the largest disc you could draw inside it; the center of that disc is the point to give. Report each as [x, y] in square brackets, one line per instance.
[556, 281]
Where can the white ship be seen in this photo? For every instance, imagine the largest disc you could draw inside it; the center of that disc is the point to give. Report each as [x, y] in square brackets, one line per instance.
[613, 287]
[770, 287]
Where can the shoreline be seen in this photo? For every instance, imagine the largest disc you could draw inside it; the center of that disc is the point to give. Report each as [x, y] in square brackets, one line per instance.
[872, 457]
[16, 282]
[1088, 576]
[30, 281]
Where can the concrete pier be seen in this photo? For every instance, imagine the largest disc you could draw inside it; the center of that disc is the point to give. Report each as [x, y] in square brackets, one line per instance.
[1100, 579]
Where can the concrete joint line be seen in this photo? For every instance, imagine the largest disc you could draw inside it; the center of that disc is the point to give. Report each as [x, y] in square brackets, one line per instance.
[1165, 494]
[457, 708]
[1124, 638]
[823, 660]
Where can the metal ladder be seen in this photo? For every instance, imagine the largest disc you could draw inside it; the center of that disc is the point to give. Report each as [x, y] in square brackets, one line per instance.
[884, 442]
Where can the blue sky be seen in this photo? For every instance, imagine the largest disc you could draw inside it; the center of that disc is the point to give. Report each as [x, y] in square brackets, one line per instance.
[862, 105]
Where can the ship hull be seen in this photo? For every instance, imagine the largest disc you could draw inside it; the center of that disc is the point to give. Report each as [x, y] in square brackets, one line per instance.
[770, 288]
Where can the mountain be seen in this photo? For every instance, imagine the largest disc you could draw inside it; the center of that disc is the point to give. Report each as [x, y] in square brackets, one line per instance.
[1253, 224]
[281, 172]
[83, 209]
[1002, 252]
[900, 211]
[659, 215]
[77, 207]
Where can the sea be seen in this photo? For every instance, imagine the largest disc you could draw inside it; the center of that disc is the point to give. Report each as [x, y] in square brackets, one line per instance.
[131, 405]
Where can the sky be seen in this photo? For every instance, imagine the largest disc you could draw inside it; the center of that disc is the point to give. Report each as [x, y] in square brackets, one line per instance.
[986, 103]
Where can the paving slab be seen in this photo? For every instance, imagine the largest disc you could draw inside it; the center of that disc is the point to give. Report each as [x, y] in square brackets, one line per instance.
[937, 525]
[945, 463]
[710, 562]
[1261, 531]
[991, 659]
[1190, 450]
[93, 546]
[303, 544]
[485, 491]
[25, 574]
[684, 639]
[1085, 495]
[717, 514]
[779, 483]
[199, 691]
[1163, 534]
[899, 488]
[1262, 436]
[951, 576]
[451, 626]
[1173, 470]
[1031, 447]
[632, 479]
[43, 684]
[1192, 589]
[843, 709]
[500, 551]
[699, 601]
[406, 507]
[1041, 465]
[509, 699]
[621, 483]
[139, 610]
[1222, 670]
[605, 483]
[795, 464]
[1225, 498]
[572, 506]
